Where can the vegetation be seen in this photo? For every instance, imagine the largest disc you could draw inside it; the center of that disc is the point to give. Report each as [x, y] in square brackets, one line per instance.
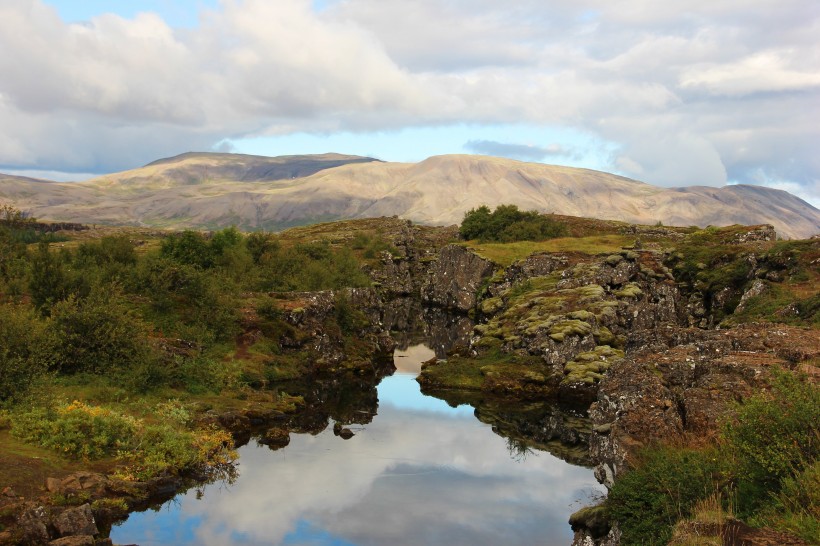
[100, 319]
[507, 224]
[765, 467]
[142, 333]
[712, 262]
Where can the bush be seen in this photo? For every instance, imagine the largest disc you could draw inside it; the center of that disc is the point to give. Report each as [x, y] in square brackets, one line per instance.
[81, 431]
[49, 282]
[76, 430]
[99, 334]
[662, 488]
[508, 224]
[22, 348]
[796, 508]
[773, 437]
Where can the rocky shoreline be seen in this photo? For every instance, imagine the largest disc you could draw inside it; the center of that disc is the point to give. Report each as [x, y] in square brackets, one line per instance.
[616, 335]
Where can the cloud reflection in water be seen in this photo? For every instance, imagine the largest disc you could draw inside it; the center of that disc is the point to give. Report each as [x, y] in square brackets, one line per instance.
[415, 475]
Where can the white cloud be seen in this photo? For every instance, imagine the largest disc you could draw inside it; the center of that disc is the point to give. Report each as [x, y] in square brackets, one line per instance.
[697, 92]
[390, 484]
[758, 73]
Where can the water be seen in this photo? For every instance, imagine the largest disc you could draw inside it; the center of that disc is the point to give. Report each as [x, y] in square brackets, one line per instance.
[421, 472]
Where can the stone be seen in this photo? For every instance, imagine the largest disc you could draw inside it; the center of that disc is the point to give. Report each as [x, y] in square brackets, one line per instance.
[31, 525]
[76, 521]
[275, 437]
[454, 280]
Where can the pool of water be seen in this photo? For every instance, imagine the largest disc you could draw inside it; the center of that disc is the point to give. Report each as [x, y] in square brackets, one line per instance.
[421, 472]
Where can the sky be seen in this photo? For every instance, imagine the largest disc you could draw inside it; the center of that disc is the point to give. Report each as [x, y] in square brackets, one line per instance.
[694, 92]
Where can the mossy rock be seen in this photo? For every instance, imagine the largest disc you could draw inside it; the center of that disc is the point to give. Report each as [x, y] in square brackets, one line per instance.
[630, 255]
[489, 342]
[581, 314]
[630, 290]
[614, 259]
[492, 305]
[604, 336]
[591, 292]
[588, 367]
[573, 327]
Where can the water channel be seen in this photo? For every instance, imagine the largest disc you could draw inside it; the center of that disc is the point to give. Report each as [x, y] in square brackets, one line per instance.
[417, 471]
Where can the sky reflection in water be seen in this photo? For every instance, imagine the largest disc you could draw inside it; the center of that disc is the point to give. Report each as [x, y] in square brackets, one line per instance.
[420, 473]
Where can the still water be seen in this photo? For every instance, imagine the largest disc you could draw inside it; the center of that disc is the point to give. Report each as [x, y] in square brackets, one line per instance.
[421, 472]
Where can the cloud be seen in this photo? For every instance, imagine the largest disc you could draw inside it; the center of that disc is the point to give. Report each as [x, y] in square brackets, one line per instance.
[702, 92]
[390, 484]
[524, 152]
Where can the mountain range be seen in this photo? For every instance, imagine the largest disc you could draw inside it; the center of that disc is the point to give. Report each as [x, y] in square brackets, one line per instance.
[211, 190]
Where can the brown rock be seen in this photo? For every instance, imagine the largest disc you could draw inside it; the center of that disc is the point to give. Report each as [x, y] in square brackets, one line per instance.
[455, 279]
[31, 525]
[76, 521]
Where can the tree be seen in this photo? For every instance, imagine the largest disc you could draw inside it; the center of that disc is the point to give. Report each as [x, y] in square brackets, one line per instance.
[507, 224]
[49, 282]
[98, 334]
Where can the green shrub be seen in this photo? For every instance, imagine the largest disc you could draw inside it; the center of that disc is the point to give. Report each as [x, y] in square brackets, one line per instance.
[662, 488]
[81, 431]
[99, 334]
[76, 430]
[507, 224]
[773, 437]
[22, 351]
[796, 507]
[49, 282]
[349, 319]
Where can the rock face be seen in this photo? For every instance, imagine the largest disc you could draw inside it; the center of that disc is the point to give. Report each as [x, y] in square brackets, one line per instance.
[454, 280]
[638, 346]
[315, 326]
[681, 382]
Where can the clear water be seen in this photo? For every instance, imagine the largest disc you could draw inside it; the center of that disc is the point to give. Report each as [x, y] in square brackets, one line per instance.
[421, 472]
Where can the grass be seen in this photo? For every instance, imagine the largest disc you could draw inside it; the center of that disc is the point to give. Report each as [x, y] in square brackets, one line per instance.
[506, 254]
[25, 467]
[493, 371]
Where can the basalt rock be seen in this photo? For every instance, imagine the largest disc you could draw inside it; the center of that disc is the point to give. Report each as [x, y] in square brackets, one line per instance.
[453, 281]
[682, 381]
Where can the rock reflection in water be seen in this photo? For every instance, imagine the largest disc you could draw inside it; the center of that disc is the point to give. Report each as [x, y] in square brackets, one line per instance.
[410, 324]
[419, 473]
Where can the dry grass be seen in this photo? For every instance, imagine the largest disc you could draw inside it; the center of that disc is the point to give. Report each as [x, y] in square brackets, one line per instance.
[704, 527]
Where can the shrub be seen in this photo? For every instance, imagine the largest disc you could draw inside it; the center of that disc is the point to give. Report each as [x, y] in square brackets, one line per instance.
[82, 431]
[22, 355]
[662, 488]
[98, 334]
[49, 281]
[773, 437]
[508, 224]
[796, 508]
[76, 430]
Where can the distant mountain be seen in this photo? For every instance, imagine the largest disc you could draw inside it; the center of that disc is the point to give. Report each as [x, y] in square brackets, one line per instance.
[208, 190]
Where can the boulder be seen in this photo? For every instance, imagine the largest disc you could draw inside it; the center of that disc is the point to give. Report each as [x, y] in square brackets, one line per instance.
[76, 521]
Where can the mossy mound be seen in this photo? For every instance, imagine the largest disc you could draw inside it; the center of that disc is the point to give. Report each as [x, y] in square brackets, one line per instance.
[589, 367]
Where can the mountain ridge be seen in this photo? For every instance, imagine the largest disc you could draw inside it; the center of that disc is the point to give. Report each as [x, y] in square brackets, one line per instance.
[210, 190]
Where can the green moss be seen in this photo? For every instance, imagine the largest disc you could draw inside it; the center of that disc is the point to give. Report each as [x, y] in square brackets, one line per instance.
[572, 327]
[614, 259]
[630, 290]
[589, 367]
[582, 314]
[603, 336]
[591, 292]
[492, 305]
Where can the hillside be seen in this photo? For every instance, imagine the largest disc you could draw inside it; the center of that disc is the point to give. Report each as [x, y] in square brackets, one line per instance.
[207, 190]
